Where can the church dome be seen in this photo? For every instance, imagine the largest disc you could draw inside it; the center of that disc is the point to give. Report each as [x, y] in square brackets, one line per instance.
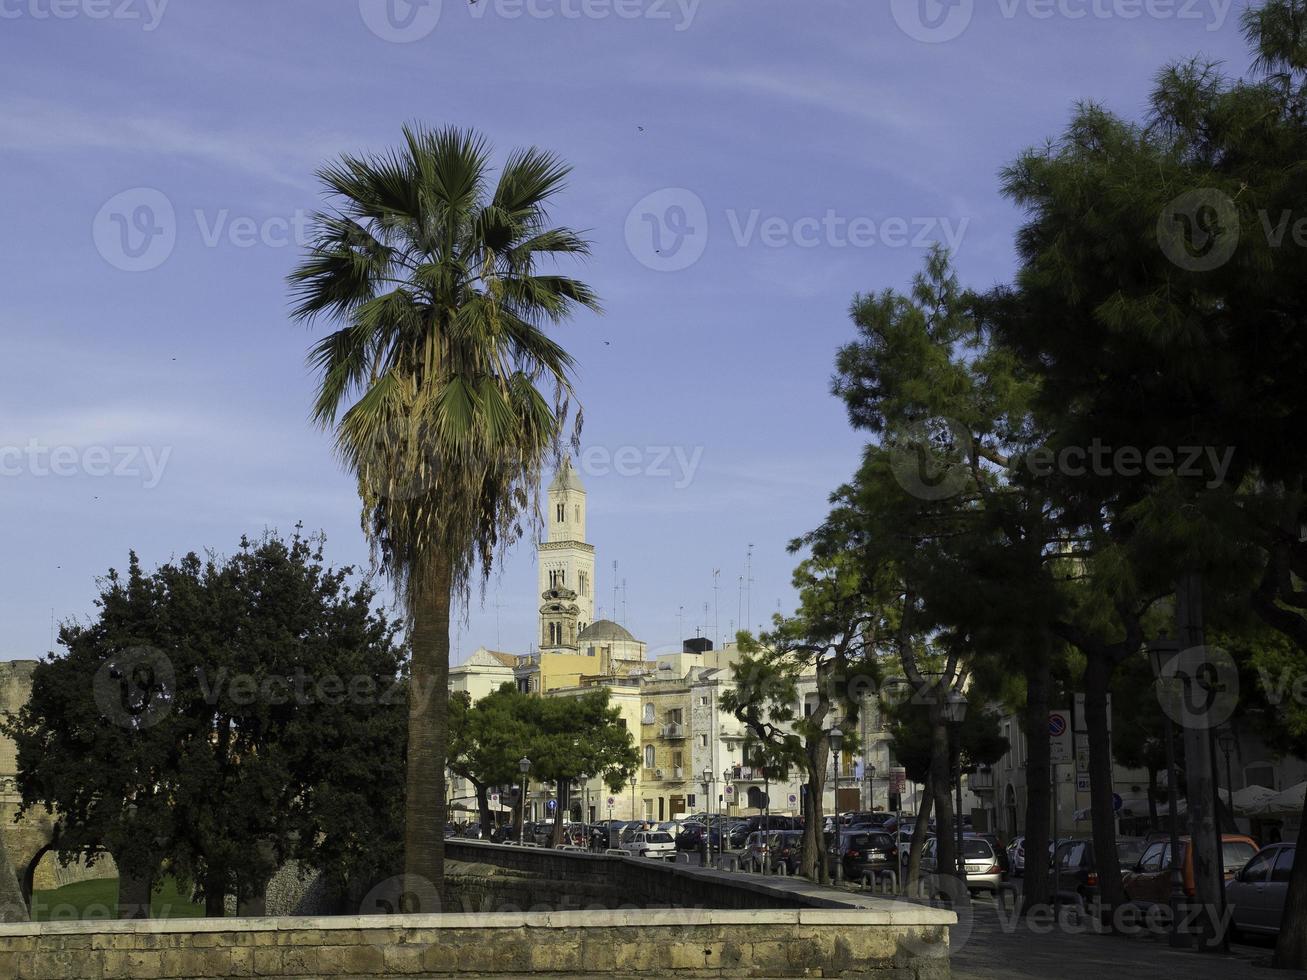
[605, 629]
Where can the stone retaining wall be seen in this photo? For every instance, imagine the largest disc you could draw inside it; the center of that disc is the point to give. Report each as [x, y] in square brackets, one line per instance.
[668, 943]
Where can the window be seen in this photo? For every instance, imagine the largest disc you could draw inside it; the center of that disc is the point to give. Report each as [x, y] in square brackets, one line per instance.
[1152, 859]
[1283, 865]
[703, 741]
[703, 701]
[583, 583]
[690, 801]
[648, 756]
[676, 760]
[1258, 867]
[560, 513]
[577, 511]
[674, 716]
[649, 713]
[1236, 853]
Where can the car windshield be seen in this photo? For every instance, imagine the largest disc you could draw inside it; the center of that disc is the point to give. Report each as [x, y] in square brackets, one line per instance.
[976, 849]
[1235, 854]
[660, 838]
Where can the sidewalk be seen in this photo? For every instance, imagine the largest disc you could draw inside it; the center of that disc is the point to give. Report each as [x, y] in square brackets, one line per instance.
[987, 949]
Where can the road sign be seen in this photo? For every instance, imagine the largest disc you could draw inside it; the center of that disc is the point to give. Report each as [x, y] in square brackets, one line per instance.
[494, 797]
[611, 801]
[793, 799]
[1117, 803]
[730, 791]
[1082, 784]
[1082, 753]
[1059, 735]
[551, 805]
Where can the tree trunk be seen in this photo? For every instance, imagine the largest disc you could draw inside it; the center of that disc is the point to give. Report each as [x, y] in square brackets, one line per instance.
[1152, 798]
[919, 833]
[1291, 948]
[1200, 787]
[563, 803]
[1037, 889]
[12, 906]
[215, 895]
[1098, 678]
[424, 801]
[813, 863]
[134, 891]
[941, 784]
[483, 807]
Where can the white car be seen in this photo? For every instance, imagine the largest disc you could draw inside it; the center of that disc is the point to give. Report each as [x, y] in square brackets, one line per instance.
[652, 844]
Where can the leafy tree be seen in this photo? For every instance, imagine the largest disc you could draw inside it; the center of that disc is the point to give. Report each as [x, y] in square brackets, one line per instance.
[566, 739]
[430, 271]
[833, 638]
[219, 717]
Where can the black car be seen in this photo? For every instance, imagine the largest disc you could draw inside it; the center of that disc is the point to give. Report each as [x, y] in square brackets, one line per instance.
[1076, 872]
[691, 836]
[864, 851]
[785, 847]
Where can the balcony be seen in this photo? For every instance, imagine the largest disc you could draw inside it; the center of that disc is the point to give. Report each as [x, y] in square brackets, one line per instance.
[673, 731]
[678, 772]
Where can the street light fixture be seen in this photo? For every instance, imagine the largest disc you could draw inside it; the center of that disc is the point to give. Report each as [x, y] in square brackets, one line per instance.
[1161, 652]
[955, 713]
[836, 743]
[524, 764]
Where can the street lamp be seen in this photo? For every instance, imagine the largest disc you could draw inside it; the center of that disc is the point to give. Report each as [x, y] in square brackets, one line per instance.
[523, 764]
[1228, 744]
[955, 713]
[837, 743]
[1160, 654]
[871, 788]
[707, 795]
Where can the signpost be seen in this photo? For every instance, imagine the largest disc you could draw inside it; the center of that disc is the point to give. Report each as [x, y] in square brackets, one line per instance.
[1059, 737]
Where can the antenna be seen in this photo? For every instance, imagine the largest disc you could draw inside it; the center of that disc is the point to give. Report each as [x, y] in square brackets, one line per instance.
[748, 584]
[614, 588]
[499, 643]
[716, 619]
[680, 622]
[624, 619]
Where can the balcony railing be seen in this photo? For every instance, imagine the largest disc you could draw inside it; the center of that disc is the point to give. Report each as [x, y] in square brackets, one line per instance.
[673, 730]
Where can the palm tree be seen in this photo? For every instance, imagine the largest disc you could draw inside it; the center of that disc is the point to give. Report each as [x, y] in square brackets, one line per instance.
[432, 382]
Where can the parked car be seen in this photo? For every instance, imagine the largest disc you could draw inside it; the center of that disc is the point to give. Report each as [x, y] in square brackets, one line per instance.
[651, 844]
[691, 836]
[1076, 870]
[987, 865]
[1256, 893]
[785, 847]
[1149, 881]
[867, 851]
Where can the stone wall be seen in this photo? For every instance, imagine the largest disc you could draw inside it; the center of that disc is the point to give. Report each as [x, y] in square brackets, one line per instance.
[779, 943]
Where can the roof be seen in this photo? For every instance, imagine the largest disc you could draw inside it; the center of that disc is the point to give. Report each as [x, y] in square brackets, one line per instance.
[507, 659]
[605, 629]
[566, 478]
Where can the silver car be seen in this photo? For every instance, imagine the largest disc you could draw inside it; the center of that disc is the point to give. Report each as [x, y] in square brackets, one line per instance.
[1256, 894]
[986, 870]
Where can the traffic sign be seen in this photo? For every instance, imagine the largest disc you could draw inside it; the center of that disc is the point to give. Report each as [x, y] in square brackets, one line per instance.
[551, 805]
[494, 797]
[793, 799]
[611, 801]
[730, 790]
[1117, 803]
[1059, 736]
[1082, 784]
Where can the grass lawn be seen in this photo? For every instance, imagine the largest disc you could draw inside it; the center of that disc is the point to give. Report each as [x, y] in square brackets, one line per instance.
[98, 899]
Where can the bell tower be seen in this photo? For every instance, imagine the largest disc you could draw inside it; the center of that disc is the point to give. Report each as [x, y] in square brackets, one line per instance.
[567, 562]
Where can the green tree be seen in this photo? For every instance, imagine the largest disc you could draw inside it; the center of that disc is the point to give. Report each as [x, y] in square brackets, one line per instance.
[431, 272]
[833, 638]
[486, 740]
[219, 717]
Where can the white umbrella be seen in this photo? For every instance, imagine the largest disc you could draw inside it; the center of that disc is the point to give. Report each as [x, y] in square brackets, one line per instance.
[1250, 800]
[1290, 801]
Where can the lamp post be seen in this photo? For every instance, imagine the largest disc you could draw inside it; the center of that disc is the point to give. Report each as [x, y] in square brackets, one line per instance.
[1160, 653]
[955, 713]
[837, 743]
[707, 795]
[871, 787]
[524, 764]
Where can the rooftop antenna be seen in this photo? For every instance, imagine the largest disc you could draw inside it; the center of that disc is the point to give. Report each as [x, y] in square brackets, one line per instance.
[748, 583]
[739, 601]
[680, 622]
[614, 588]
[499, 643]
[624, 619]
[716, 618]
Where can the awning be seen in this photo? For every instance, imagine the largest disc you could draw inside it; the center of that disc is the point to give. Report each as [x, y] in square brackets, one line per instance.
[1286, 803]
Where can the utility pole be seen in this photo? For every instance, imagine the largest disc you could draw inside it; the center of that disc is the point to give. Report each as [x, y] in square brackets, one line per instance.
[748, 585]
[716, 621]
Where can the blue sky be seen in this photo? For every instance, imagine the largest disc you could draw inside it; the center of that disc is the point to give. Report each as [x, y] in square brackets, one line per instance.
[743, 167]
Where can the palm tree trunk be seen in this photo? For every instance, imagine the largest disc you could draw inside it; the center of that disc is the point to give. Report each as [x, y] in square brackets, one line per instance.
[428, 733]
